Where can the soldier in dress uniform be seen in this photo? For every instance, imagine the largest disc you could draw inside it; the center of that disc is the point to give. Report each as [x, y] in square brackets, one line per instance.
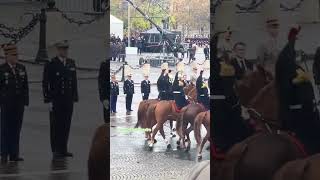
[178, 89]
[228, 128]
[163, 83]
[268, 51]
[239, 62]
[114, 94]
[14, 97]
[297, 108]
[60, 91]
[225, 44]
[145, 87]
[103, 86]
[128, 89]
[202, 92]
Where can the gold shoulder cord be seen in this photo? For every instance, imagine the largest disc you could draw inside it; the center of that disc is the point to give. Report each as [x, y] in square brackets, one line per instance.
[301, 77]
[226, 70]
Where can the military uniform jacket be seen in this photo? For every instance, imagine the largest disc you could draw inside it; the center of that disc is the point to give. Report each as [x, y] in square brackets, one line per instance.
[60, 81]
[240, 68]
[145, 86]
[14, 86]
[201, 89]
[128, 87]
[222, 85]
[114, 88]
[103, 81]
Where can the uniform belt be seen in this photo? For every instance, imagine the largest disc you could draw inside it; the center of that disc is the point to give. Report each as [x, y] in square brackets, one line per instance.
[298, 106]
[176, 92]
[217, 97]
[202, 95]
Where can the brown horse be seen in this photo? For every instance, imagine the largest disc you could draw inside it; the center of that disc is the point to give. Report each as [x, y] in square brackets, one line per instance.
[265, 105]
[201, 118]
[302, 169]
[251, 84]
[191, 92]
[258, 157]
[142, 109]
[158, 114]
[99, 154]
[188, 116]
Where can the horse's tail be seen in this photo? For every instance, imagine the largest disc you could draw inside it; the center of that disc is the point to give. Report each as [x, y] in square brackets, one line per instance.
[98, 156]
[139, 115]
[197, 126]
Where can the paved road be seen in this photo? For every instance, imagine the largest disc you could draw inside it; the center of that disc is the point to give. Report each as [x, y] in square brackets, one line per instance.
[131, 157]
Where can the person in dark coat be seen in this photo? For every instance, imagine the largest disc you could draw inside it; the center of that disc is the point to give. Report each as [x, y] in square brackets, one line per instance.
[178, 92]
[239, 62]
[206, 51]
[162, 86]
[114, 94]
[14, 96]
[60, 91]
[104, 89]
[316, 69]
[128, 89]
[202, 92]
[294, 89]
[145, 88]
[228, 128]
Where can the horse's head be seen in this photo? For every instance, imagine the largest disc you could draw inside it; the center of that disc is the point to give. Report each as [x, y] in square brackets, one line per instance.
[251, 83]
[188, 88]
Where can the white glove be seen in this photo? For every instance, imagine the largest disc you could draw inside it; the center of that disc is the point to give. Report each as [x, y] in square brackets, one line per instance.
[106, 104]
[50, 106]
[244, 113]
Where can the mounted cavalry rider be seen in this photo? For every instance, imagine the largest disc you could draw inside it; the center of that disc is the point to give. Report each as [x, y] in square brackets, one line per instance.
[228, 126]
[202, 92]
[178, 88]
[297, 108]
[163, 83]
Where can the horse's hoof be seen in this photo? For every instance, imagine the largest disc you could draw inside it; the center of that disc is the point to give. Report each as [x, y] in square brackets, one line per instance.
[178, 147]
[155, 141]
[199, 156]
[178, 142]
[169, 146]
[173, 135]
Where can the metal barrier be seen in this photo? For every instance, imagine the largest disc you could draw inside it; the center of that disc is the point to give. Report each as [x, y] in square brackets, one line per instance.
[81, 5]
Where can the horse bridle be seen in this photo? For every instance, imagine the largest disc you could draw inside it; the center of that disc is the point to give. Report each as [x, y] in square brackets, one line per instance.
[267, 123]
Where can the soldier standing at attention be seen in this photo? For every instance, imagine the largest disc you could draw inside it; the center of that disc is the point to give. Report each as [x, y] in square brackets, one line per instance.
[145, 88]
[128, 89]
[14, 96]
[114, 94]
[103, 83]
[60, 91]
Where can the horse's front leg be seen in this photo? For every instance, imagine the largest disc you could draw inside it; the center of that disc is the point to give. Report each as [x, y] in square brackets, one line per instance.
[154, 133]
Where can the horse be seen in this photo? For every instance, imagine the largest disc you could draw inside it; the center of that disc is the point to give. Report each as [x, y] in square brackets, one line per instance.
[158, 114]
[257, 157]
[141, 114]
[201, 118]
[188, 116]
[191, 92]
[99, 154]
[301, 169]
[251, 84]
